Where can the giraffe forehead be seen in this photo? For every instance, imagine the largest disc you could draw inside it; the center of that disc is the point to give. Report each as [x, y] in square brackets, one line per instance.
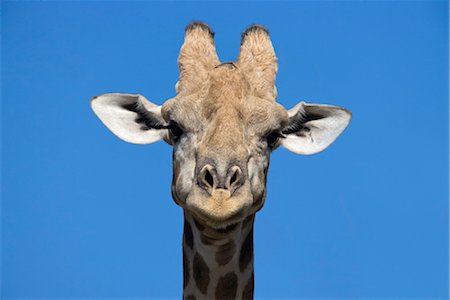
[202, 112]
[225, 99]
[227, 81]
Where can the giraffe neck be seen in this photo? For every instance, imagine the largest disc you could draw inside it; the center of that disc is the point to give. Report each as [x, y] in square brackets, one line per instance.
[217, 264]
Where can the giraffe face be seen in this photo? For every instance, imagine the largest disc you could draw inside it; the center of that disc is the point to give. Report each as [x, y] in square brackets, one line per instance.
[223, 124]
[222, 137]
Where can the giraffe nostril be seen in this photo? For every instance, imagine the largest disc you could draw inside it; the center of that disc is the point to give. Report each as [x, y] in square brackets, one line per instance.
[235, 180]
[234, 177]
[209, 178]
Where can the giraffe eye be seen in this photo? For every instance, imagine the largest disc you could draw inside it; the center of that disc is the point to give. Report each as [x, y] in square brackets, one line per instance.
[273, 138]
[175, 131]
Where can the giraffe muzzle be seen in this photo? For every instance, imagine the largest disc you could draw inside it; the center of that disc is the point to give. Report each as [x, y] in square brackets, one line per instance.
[221, 196]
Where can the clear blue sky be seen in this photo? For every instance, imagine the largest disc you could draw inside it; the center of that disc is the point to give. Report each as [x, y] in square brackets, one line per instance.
[85, 215]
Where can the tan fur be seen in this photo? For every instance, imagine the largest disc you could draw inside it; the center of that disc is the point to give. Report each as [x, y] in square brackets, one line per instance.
[229, 124]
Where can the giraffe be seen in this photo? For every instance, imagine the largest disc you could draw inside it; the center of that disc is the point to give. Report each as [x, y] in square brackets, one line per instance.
[223, 124]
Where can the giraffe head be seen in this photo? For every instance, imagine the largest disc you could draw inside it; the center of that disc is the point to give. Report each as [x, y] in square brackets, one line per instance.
[223, 125]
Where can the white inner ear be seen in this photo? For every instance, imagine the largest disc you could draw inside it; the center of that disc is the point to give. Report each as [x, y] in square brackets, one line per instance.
[110, 109]
[316, 135]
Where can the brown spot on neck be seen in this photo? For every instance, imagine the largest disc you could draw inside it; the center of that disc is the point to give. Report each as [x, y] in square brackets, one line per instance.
[200, 272]
[249, 288]
[227, 286]
[246, 254]
[225, 253]
[186, 273]
[188, 236]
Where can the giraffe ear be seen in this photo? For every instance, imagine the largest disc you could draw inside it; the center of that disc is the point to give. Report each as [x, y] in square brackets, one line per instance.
[313, 127]
[132, 118]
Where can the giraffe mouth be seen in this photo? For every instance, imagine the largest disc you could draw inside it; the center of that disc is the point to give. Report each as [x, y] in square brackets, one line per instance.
[222, 225]
[220, 209]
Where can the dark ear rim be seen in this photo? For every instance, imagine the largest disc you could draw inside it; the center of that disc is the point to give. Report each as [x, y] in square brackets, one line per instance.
[149, 120]
[203, 25]
[253, 28]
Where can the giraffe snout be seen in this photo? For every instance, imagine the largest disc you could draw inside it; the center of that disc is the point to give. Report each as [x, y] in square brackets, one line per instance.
[210, 179]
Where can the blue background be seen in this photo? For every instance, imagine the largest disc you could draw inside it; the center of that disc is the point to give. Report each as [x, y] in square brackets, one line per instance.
[85, 215]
